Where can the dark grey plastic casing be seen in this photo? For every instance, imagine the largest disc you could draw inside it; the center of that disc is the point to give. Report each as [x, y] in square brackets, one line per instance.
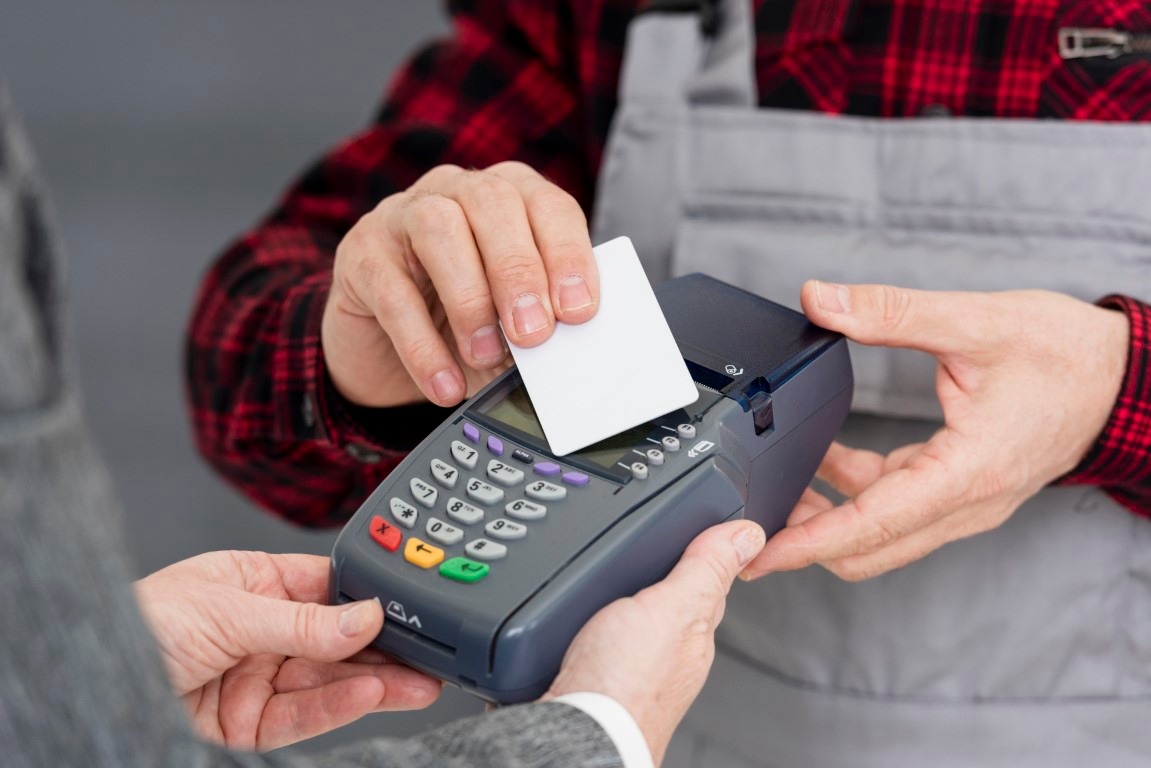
[774, 391]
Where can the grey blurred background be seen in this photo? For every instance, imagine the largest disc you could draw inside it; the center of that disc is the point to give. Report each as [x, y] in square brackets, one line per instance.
[164, 131]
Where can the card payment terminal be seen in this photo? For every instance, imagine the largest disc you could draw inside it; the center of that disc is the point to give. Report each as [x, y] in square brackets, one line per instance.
[489, 553]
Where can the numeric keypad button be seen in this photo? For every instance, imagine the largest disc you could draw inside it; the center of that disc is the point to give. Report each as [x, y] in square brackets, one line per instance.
[444, 533]
[541, 490]
[483, 549]
[505, 529]
[522, 509]
[505, 474]
[444, 473]
[464, 455]
[424, 492]
[465, 513]
[404, 513]
[484, 493]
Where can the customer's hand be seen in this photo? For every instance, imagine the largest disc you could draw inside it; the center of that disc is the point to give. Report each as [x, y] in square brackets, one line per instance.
[652, 652]
[420, 283]
[258, 662]
[1027, 380]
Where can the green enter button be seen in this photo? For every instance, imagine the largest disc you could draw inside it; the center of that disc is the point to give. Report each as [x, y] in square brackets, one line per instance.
[463, 569]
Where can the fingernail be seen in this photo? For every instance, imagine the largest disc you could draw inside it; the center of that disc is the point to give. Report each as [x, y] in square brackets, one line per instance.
[528, 314]
[488, 345]
[748, 543]
[357, 617]
[447, 385]
[574, 293]
[833, 297]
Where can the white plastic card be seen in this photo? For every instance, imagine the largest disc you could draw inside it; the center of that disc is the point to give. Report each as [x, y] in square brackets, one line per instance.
[619, 369]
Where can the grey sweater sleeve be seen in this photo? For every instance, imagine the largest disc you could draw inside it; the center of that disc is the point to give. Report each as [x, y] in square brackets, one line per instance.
[81, 682]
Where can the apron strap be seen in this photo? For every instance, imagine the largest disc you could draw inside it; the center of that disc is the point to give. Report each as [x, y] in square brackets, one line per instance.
[725, 73]
[664, 49]
[726, 76]
[691, 51]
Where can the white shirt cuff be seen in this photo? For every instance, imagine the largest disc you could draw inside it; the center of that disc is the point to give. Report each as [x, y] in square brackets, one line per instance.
[617, 722]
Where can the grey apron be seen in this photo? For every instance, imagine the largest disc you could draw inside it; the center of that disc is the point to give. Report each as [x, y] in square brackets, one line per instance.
[1026, 646]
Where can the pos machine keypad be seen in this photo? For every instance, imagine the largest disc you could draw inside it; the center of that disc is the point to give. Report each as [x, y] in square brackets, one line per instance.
[488, 505]
[491, 507]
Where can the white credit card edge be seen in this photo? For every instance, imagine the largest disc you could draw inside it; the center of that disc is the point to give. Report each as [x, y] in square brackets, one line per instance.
[650, 377]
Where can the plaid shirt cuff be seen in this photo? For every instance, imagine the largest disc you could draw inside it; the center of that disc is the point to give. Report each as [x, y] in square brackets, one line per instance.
[395, 430]
[313, 407]
[1120, 460]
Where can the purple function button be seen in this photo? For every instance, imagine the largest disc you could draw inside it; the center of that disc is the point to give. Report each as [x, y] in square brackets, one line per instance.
[575, 478]
[546, 468]
[495, 445]
[471, 432]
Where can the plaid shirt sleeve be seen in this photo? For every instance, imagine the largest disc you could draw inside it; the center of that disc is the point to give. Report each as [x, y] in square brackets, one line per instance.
[1120, 460]
[264, 412]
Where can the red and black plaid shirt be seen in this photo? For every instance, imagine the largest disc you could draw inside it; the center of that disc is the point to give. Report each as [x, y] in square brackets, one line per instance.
[536, 82]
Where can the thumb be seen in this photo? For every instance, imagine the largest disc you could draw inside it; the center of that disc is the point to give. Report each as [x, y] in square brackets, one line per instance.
[938, 322]
[308, 630]
[709, 566]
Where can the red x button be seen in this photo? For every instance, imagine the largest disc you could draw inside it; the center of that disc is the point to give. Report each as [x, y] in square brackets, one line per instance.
[385, 534]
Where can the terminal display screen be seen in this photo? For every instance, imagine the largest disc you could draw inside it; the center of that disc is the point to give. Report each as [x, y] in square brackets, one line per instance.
[515, 410]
